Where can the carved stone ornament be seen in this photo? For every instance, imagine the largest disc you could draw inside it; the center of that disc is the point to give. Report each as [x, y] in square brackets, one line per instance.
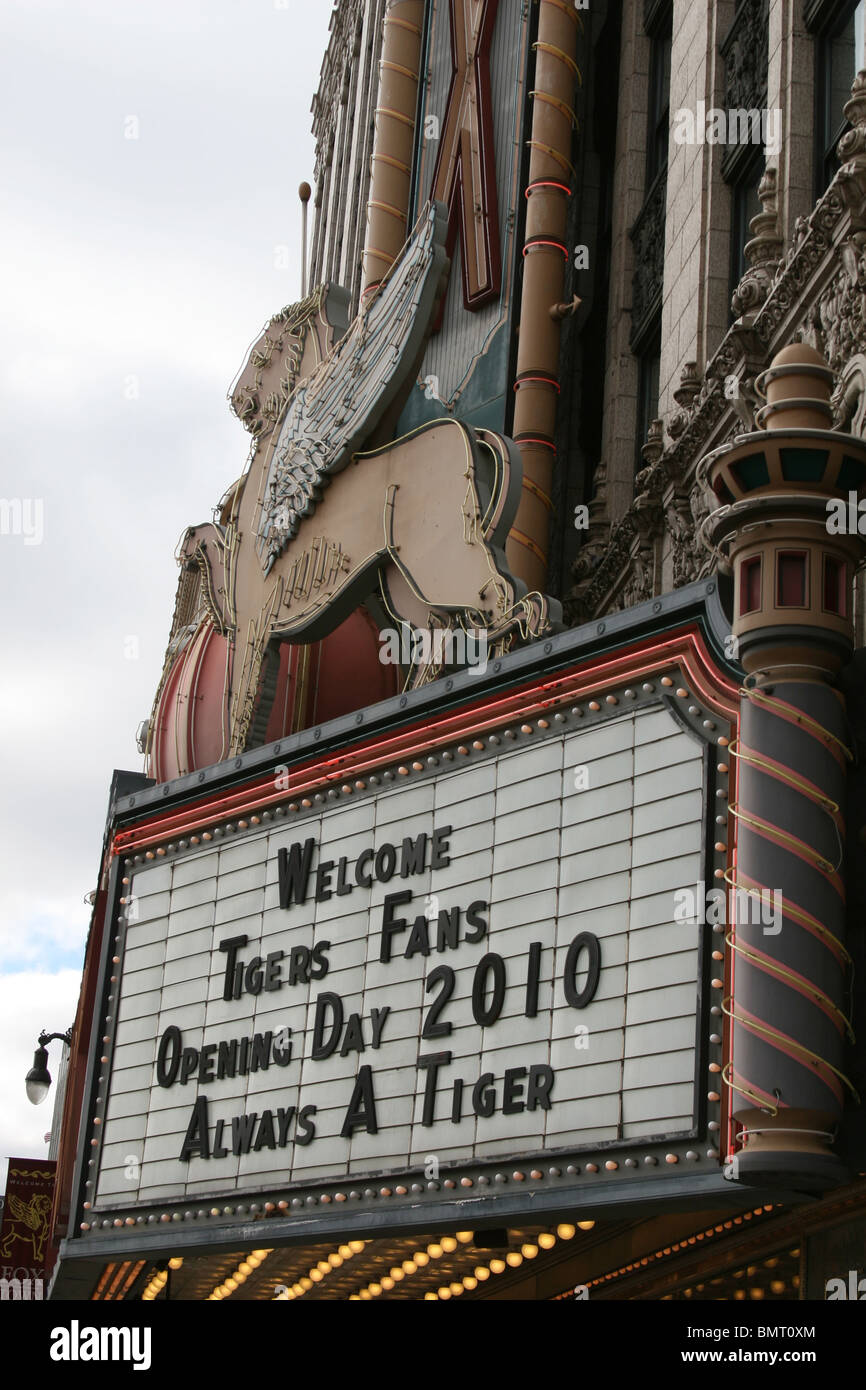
[763, 253]
[648, 236]
[745, 50]
[817, 292]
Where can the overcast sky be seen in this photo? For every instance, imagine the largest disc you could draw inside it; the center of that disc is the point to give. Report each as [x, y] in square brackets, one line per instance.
[151, 156]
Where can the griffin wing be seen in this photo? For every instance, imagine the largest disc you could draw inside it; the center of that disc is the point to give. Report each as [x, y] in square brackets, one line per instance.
[333, 412]
[23, 1211]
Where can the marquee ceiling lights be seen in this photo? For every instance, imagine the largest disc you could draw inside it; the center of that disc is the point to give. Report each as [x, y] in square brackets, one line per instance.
[318, 1271]
[159, 1280]
[676, 1247]
[240, 1275]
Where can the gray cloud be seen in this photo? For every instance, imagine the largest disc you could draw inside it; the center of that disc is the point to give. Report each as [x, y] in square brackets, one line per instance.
[136, 274]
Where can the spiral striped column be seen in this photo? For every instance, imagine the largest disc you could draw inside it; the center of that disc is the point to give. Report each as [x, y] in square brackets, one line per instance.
[788, 1004]
[788, 970]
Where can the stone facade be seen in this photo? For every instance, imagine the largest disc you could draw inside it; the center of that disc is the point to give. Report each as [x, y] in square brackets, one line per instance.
[805, 279]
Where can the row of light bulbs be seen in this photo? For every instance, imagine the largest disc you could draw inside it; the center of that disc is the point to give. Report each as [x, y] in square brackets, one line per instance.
[246, 1267]
[419, 1260]
[447, 1245]
[158, 1282]
[708, 1234]
[317, 1272]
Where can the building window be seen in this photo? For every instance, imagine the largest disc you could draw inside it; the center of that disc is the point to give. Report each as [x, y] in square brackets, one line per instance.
[835, 584]
[659, 105]
[840, 31]
[746, 54]
[750, 585]
[791, 579]
[648, 232]
[649, 367]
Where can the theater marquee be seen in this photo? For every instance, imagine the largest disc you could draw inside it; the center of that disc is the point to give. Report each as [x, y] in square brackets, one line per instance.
[434, 963]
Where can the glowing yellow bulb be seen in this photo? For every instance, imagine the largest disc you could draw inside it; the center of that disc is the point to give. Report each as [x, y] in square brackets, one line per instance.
[444, 1293]
[324, 1266]
[565, 1232]
[456, 1289]
[231, 1284]
[409, 1267]
[497, 1266]
[397, 1274]
[335, 1261]
[448, 1244]
[316, 1275]
[514, 1258]
[262, 1254]
[346, 1252]
[387, 1283]
[435, 1252]
[470, 1283]
[482, 1273]
[420, 1258]
[175, 1262]
[365, 1295]
[356, 1246]
[546, 1240]
[298, 1289]
[430, 1297]
[245, 1268]
[529, 1251]
[305, 1283]
[586, 1225]
[466, 1237]
[375, 1289]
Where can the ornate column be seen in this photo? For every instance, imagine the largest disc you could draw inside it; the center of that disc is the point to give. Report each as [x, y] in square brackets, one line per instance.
[780, 489]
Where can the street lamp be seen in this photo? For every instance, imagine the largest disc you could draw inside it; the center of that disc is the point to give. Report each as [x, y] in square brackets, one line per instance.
[38, 1079]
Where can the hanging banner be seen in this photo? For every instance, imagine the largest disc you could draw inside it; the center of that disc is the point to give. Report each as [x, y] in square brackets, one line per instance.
[26, 1260]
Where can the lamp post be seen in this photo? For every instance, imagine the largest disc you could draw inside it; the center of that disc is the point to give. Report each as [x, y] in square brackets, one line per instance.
[38, 1079]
